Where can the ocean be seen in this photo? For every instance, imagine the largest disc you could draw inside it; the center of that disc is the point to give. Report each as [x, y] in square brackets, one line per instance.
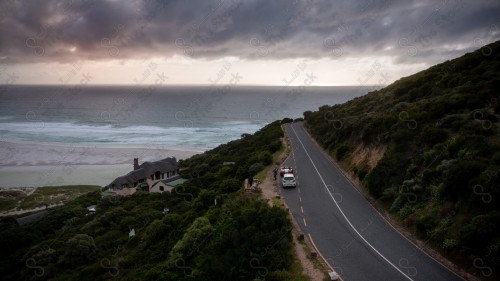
[54, 135]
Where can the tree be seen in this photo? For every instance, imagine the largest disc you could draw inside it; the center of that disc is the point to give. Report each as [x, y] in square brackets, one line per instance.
[79, 250]
[255, 169]
[195, 237]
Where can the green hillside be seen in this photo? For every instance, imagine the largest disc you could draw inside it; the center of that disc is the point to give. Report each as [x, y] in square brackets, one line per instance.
[428, 148]
[132, 238]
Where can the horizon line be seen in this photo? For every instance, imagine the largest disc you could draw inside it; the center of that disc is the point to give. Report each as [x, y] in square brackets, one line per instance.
[193, 85]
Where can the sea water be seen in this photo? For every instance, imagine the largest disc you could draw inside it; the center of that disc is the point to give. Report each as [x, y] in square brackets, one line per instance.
[50, 126]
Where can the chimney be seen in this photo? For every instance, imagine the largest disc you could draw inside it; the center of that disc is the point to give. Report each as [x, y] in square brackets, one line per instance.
[136, 163]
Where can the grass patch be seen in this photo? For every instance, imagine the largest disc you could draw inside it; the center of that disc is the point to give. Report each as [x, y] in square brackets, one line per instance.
[9, 199]
[277, 202]
[294, 273]
[48, 195]
[7, 204]
[316, 262]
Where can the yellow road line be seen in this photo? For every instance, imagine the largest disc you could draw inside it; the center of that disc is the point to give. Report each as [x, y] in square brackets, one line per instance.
[344, 215]
[319, 253]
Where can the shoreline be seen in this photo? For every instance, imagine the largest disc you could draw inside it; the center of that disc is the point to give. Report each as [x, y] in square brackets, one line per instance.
[102, 145]
[42, 164]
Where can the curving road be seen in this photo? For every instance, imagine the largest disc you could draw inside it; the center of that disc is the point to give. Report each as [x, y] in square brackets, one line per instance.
[348, 232]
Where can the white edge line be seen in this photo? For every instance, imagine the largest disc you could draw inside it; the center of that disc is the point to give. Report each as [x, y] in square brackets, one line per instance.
[377, 211]
[345, 217]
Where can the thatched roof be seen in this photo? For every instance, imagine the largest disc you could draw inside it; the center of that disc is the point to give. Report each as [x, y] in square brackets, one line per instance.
[145, 170]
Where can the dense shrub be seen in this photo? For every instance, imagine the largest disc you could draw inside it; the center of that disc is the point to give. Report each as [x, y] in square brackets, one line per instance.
[441, 129]
[342, 151]
[135, 238]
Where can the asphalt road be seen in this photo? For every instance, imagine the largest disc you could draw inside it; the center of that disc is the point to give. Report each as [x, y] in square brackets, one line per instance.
[348, 232]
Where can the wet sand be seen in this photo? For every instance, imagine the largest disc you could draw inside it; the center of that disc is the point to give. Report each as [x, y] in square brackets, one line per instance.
[32, 164]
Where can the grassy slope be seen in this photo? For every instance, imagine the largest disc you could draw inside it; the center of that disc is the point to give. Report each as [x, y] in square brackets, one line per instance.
[46, 195]
[438, 131]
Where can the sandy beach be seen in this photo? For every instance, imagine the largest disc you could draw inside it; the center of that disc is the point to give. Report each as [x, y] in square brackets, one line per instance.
[24, 164]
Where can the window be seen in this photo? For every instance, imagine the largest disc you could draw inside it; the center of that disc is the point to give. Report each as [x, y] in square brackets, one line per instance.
[161, 188]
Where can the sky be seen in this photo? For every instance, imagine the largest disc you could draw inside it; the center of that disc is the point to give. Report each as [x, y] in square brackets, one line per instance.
[236, 42]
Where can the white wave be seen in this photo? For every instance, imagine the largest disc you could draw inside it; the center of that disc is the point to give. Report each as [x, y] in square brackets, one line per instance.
[198, 137]
[6, 117]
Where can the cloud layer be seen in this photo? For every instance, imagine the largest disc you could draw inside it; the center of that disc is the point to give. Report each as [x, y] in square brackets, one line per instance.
[65, 31]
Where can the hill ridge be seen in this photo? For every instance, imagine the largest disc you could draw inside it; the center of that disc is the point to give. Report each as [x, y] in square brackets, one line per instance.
[438, 133]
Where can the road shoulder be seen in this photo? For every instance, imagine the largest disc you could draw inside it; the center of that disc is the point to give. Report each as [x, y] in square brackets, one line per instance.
[426, 248]
[302, 250]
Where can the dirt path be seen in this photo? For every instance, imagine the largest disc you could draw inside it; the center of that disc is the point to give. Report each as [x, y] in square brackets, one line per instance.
[19, 212]
[269, 190]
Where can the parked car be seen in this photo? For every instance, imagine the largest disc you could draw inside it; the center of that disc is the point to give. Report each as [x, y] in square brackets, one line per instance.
[285, 170]
[288, 180]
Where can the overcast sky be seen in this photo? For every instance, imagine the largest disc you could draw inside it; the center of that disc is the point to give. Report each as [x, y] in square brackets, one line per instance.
[246, 42]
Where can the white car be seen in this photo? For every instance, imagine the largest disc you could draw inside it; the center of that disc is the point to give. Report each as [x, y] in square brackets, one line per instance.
[288, 180]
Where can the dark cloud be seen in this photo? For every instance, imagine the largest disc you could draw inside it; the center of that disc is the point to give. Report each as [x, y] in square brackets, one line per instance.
[57, 30]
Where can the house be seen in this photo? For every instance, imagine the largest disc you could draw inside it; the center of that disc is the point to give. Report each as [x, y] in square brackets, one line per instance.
[167, 184]
[149, 176]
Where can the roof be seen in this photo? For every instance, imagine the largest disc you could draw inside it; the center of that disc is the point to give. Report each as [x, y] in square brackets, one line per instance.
[177, 182]
[145, 170]
[173, 181]
[108, 193]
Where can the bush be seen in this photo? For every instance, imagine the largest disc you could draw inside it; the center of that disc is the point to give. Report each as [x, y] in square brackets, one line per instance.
[80, 249]
[458, 179]
[255, 169]
[388, 172]
[431, 135]
[362, 171]
[424, 224]
[495, 159]
[265, 158]
[342, 151]
[195, 238]
[230, 185]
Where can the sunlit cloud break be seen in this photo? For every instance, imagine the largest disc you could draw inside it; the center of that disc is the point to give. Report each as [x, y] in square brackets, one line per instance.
[262, 41]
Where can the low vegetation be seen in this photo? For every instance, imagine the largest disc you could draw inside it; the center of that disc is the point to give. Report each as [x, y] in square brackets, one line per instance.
[12, 199]
[205, 229]
[428, 148]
